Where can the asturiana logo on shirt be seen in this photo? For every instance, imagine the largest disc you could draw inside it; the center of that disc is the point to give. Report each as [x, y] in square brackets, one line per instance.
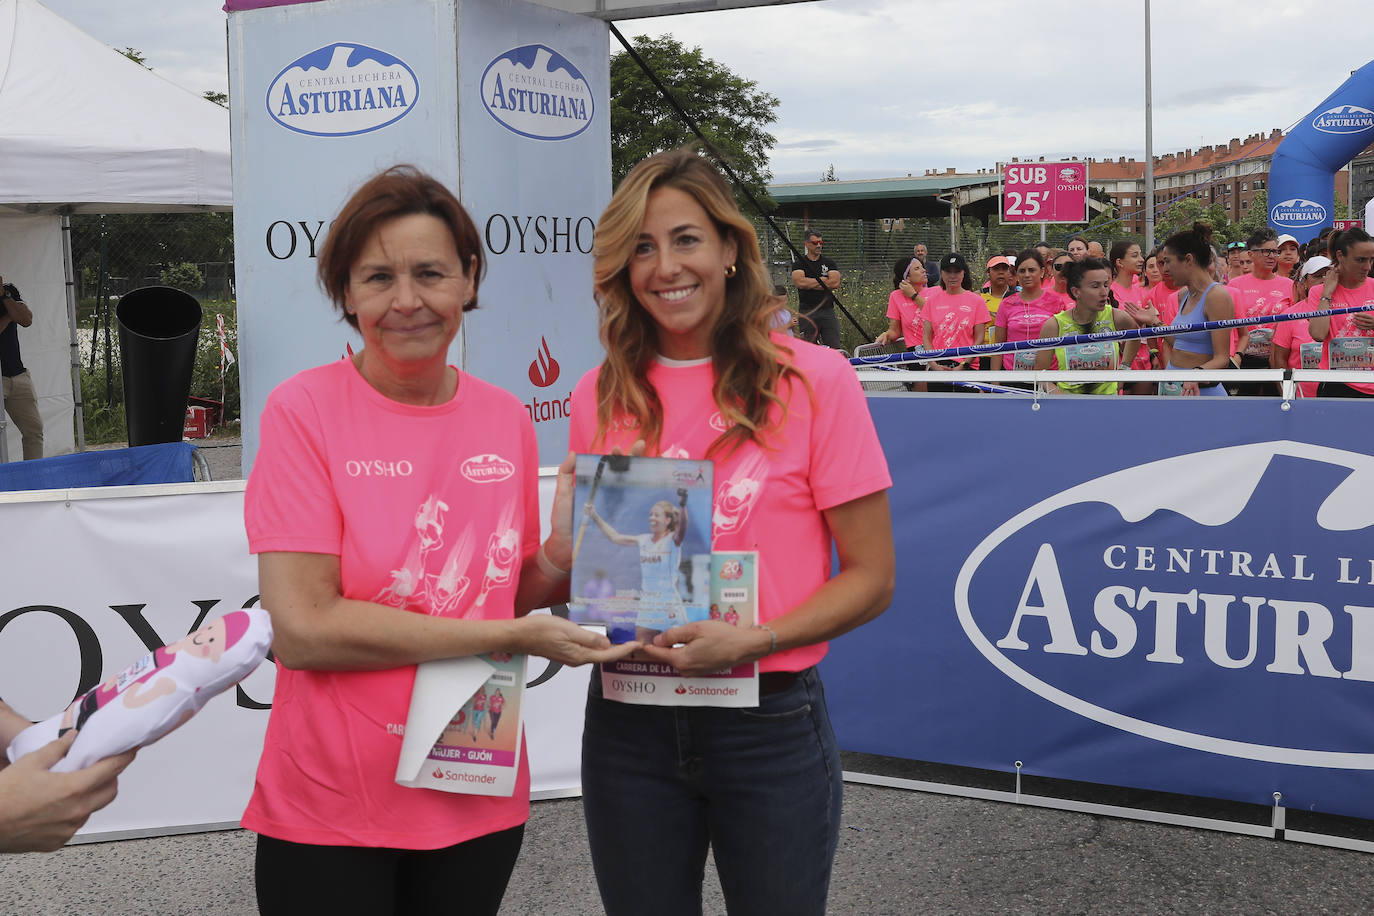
[1344, 119]
[341, 90]
[536, 92]
[1297, 211]
[487, 469]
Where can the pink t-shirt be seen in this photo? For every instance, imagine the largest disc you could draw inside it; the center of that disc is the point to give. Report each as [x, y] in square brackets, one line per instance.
[954, 316]
[1295, 337]
[1023, 321]
[1253, 298]
[1343, 326]
[1166, 300]
[906, 311]
[429, 509]
[767, 499]
[1134, 295]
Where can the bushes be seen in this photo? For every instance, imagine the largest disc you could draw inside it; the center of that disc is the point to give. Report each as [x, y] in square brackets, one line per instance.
[184, 276]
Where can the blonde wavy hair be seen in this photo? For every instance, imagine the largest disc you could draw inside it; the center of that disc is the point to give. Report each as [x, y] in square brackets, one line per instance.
[750, 366]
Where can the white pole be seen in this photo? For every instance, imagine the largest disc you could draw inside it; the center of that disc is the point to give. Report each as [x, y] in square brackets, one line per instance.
[1149, 143]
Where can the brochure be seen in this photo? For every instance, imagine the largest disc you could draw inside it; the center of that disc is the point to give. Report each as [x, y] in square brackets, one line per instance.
[475, 749]
[641, 544]
[734, 601]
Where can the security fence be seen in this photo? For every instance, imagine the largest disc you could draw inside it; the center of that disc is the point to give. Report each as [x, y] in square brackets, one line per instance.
[115, 253]
[866, 252]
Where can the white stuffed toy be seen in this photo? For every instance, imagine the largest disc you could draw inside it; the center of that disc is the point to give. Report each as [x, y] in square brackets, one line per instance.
[156, 694]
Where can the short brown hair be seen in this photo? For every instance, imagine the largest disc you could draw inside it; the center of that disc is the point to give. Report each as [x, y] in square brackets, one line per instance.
[401, 190]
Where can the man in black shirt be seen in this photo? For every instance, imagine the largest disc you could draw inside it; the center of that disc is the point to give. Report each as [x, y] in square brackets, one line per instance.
[21, 403]
[816, 277]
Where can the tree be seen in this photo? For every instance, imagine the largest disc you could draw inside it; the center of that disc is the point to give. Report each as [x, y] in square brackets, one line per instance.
[1188, 210]
[732, 112]
[137, 56]
[829, 174]
[219, 98]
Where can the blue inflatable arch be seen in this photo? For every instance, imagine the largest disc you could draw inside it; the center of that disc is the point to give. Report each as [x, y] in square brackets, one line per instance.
[1302, 174]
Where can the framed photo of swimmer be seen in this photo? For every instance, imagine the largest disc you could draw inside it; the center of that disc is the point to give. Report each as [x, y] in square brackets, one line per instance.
[641, 544]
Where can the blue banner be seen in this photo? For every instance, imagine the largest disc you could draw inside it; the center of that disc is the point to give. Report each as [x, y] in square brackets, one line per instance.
[1301, 185]
[1174, 595]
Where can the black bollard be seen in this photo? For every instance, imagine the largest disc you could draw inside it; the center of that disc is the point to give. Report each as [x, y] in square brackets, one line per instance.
[158, 327]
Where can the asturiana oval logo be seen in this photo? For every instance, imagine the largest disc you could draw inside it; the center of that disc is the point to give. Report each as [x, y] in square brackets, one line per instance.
[1297, 211]
[341, 90]
[1183, 574]
[487, 469]
[537, 93]
[1344, 119]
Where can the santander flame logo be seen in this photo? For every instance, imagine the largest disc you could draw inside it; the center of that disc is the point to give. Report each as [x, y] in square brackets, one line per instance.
[681, 690]
[544, 370]
[438, 773]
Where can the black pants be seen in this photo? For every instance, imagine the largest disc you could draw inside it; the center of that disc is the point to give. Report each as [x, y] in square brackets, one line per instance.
[469, 878]
[821, 326]
[1340, 390]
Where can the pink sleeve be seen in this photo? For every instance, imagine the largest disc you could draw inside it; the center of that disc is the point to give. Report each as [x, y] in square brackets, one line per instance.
[1283, 334]
[530, 455]
[893, 311]
[289, 503]
[847, 461]
[582, 423]
[981, 315]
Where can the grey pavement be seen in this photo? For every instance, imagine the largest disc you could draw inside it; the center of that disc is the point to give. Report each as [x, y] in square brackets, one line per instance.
[901, 852]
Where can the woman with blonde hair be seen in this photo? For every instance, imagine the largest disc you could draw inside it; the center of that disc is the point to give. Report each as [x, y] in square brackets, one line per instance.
[692, 370]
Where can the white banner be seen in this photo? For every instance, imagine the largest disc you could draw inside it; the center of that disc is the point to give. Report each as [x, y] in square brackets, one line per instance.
[114, 572]
[326, 94]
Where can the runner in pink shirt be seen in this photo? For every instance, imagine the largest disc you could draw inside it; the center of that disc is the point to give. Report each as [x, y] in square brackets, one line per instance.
[1024, 313]
[393, 505]
[1126, 262]
[953, 315]
[903, 311]
[1347, 340]
[691, 371]
[1260, 292]
[1293, 346]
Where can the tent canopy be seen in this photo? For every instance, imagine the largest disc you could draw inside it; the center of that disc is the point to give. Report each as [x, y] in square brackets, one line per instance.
[86, 130]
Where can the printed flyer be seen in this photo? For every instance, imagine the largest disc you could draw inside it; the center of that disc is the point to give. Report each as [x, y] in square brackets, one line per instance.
[734, 601]
[641, 544]
[477, 752]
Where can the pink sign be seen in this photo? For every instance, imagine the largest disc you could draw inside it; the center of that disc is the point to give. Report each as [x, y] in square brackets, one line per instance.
[1045, 192]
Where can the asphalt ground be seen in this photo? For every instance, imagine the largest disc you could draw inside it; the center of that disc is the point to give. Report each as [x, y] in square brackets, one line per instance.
[900, 852]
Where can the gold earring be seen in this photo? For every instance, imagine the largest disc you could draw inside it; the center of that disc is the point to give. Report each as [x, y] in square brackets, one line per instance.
[731, 271]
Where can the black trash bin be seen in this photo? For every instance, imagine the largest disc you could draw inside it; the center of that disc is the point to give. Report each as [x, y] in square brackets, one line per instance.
[158, 327]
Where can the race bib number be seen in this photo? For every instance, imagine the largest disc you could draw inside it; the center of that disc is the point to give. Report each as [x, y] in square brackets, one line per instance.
[1091, 356]
[1311, 354]
[1023, 359]
[1352, 353]
[1261, 339]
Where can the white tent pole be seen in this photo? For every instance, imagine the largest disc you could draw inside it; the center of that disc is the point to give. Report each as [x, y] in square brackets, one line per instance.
[77, 414]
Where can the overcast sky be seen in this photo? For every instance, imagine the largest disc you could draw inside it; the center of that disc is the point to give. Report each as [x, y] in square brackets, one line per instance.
[884, 88]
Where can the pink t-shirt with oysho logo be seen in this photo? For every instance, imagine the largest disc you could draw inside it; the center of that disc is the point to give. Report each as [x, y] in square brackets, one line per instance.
[1354, 347]
[1254, 298]
[767, 499]
[430, 509]
[953, 317]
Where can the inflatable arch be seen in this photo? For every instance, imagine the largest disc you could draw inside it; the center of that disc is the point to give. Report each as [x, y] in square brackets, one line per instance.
[1302, 174]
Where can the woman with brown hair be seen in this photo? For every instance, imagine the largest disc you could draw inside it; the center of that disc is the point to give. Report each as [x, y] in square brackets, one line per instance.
[692, 370]
[377, 478]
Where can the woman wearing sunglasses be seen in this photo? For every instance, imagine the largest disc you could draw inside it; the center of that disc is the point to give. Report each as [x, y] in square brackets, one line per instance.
[1258, 293]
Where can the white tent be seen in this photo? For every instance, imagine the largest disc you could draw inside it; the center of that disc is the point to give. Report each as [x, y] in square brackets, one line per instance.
[86, 130]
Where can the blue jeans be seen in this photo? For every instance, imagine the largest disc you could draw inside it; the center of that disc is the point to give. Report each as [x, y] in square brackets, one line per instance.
[761, 786]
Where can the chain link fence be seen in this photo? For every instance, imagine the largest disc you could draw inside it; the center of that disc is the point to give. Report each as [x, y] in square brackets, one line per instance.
[115, 253]
[866, 252]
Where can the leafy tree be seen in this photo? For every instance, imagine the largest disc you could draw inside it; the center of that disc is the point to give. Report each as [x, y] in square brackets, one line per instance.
[829, 174]
[219, 98]
[732, 112]
[1188, 210]
[137, 56]
[184, 276]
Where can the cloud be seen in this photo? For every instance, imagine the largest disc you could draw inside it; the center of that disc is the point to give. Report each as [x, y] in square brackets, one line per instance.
[811, 145]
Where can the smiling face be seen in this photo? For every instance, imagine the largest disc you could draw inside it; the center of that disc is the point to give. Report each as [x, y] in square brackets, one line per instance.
[407, 290]
[677, 272]
[662, 519]
[920, 252]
